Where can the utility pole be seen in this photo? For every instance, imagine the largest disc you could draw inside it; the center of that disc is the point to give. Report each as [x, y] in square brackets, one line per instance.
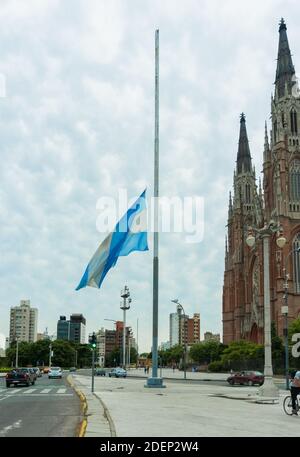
[50, 354]
[125, 305]
[17, 352]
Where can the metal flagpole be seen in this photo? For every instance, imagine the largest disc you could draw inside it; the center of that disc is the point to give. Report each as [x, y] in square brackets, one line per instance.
[155, 381]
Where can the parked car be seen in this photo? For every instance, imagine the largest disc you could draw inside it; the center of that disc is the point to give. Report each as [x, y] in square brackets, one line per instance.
[33, 372]
[46, 370]
[100, 372]
[73, 369]
[20, 376]
[250, 378]
[37, 372]
[118, 373]
[55, 372]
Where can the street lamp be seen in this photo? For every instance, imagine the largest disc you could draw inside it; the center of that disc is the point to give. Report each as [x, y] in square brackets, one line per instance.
[17, 351]
[125, 305]
[268, 389]
[285, 312]
[184, 317]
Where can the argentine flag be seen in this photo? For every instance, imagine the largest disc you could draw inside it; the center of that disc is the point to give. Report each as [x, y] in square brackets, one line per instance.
[129, 235]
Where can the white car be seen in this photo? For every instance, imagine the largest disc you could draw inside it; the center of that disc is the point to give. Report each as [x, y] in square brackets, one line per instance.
[55, 372]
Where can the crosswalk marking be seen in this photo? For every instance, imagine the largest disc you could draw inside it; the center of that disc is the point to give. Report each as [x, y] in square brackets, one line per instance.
[35, 391]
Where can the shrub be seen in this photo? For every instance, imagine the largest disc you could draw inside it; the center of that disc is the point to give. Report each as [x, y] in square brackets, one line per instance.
[216, 367]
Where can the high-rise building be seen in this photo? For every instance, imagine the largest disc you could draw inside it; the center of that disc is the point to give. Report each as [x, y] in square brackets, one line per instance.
[174, 327]
[100, 349]
[243, 291]
[23, 323]
[110, 343]
[193, 329]
[183, 329]
[63, 329]
[77, 328]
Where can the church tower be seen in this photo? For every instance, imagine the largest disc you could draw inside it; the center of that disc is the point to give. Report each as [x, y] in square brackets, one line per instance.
[245, 210]
[282, 181]
[280, 200]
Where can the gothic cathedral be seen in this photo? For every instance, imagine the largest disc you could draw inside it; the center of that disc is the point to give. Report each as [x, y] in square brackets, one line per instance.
[243, 297]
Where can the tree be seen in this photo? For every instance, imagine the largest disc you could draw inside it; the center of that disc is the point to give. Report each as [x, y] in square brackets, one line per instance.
[242, 355]
[207, 352]
[114, 358]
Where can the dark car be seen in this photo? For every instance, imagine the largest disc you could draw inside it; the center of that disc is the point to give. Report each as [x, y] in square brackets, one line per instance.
[100, 372]
[250, 378]
[73, 369]
[20, 376]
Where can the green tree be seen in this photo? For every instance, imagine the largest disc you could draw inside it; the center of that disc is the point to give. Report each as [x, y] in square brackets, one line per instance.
[114, 358]
[242, 355]
[207, 352]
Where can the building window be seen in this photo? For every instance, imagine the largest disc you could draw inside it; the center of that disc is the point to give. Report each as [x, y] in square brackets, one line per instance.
[296, 263]
[275, 131]
[295, 181]
[294, 125]
[248, 195]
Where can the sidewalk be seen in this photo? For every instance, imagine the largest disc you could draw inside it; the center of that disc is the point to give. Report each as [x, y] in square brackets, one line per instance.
[185, 410]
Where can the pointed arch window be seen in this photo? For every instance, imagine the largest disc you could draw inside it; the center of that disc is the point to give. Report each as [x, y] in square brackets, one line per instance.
[275, 131]
[294, 122]
[248, 194]
[295, 181]
[296, 263]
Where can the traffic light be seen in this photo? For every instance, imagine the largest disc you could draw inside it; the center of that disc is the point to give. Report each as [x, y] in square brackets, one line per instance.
[93, 340]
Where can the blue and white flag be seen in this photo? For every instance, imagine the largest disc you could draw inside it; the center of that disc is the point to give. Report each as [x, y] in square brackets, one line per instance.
[129, 235]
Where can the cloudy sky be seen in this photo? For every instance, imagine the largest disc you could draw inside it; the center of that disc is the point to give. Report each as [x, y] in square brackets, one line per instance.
[77, 123]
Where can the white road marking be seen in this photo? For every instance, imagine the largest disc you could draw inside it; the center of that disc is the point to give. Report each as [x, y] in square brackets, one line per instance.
[29, 391]
[8, 428]
[45, 391]
[61, 391]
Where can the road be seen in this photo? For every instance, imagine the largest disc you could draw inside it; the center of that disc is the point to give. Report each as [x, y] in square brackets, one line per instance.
[167, 374]
[50, 408]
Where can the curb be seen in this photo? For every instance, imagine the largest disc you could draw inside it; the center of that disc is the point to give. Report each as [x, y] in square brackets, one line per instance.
[84, 407]
[108, 417]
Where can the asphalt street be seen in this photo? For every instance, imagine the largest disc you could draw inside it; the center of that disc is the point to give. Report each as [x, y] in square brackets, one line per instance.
[50, 408]
[180, 379]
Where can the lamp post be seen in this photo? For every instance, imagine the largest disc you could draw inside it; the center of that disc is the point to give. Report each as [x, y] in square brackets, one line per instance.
[125, 305]
[50, 354]
[268, 389]
[285, 313]
[17, 352]
[184, 317]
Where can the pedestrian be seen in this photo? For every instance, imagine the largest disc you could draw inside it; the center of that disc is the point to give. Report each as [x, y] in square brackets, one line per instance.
[145, 369]
[173, 368]
[295, 389]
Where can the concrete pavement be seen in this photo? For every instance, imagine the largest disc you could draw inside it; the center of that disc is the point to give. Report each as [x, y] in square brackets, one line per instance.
[181, 410]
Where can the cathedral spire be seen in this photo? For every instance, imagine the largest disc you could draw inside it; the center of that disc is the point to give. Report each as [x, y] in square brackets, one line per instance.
[230, 207]
[267, 146]
[285, 68]
[243, 157]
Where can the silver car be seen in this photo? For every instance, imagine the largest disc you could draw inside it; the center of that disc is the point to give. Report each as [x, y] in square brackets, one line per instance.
[118, 373]
[55, 372]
